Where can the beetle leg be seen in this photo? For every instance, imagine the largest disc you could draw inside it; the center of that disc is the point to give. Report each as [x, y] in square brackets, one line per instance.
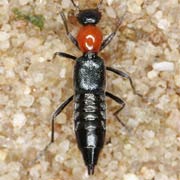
[119, 101]
[71, 37]
[55, 114]
[124, 75]
[107, 40]
[69, 56]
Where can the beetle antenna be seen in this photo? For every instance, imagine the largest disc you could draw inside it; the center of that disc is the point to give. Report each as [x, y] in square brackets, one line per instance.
[75, 5]
[99, 4]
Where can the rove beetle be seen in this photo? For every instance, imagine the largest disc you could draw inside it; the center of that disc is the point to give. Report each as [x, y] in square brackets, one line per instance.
[89, 86]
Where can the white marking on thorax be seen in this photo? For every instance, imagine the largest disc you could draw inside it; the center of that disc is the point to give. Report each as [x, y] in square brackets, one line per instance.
[87, 45]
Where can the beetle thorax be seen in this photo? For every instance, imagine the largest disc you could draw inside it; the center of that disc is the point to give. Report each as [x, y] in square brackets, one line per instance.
[89, 38]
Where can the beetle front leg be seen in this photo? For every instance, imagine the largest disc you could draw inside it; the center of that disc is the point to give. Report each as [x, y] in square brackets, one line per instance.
[71, 37]
[111, 36]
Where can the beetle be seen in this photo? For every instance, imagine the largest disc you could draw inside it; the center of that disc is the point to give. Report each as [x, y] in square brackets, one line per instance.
[89, 85]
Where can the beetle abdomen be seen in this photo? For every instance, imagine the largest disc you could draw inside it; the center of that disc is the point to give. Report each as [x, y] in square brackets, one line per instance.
[90, 109]
[90, 115]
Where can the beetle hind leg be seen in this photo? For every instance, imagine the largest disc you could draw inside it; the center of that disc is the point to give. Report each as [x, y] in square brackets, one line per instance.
[55, 114]
[119, 101]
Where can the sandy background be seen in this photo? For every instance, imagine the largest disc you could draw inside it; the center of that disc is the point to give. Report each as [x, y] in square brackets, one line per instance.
[32, 85]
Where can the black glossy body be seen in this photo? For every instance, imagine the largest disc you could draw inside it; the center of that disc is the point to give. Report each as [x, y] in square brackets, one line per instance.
[89, 74]
[90, 115]
[89, 88]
